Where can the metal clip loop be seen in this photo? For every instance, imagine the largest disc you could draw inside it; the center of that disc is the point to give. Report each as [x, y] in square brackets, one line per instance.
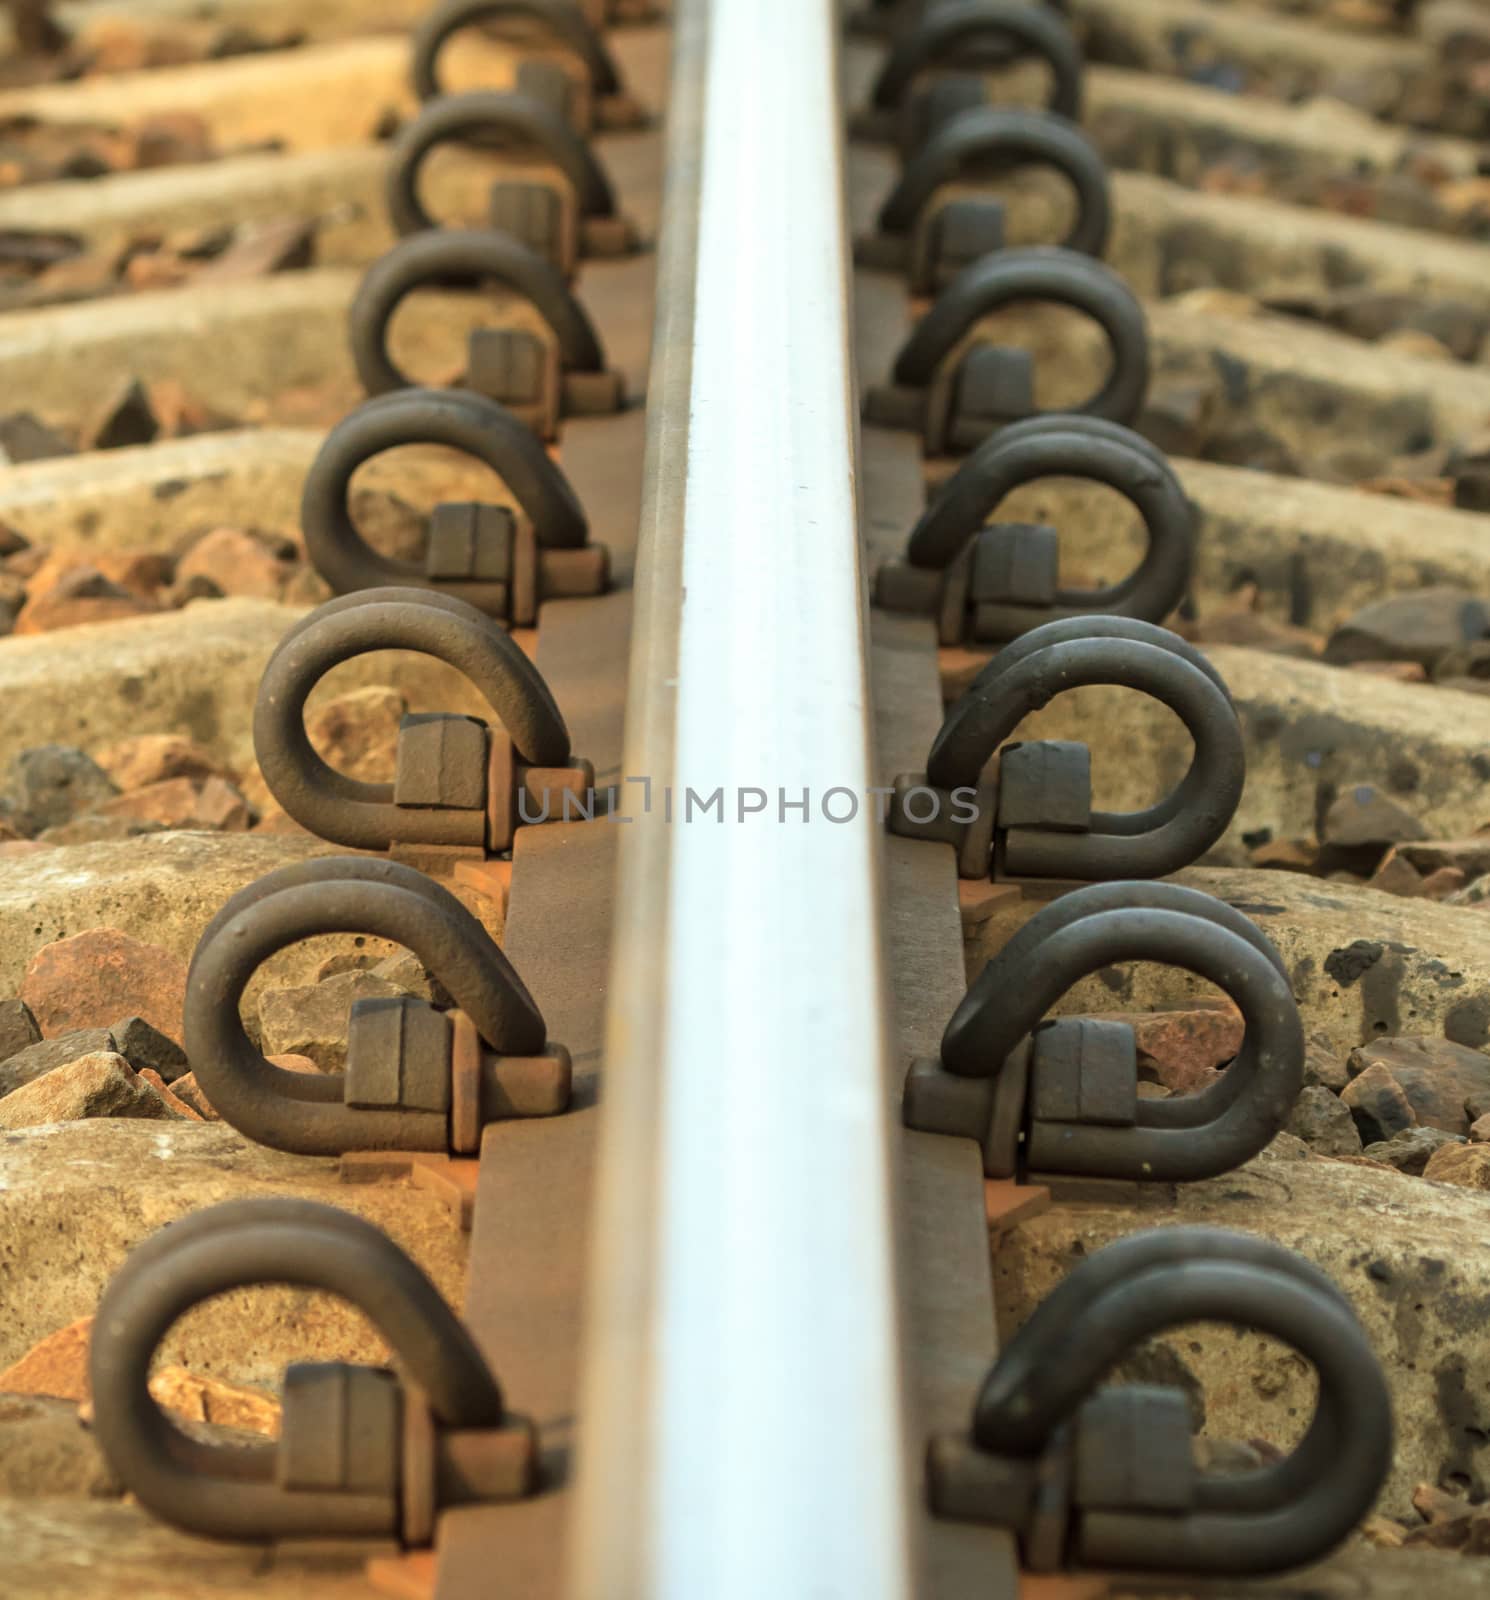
[309, 1113]
[486, 112]
[561, 18]
[448, 256]
[929, 395]
[948, 32]
[984, 138]
[1183, 1138]
[367, 1481]
[370, 816]
[1044, 833]
[1141, 1515]
[485, 431]
[1050, 446]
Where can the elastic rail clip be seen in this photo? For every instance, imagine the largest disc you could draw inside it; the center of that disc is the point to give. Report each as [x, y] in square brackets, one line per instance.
[505, 560]
[932, 236]
[597, 94]
[541, 376]
[362, 1453]
[990, 584]
[955, 389]
[460, 783]
[1108, 1479]
[1034, 818]
[562, 220]
[1062, 1097]
[417, 1077]
[966, 38]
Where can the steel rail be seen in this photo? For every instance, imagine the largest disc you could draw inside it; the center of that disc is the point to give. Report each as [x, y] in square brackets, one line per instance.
[744, 1424]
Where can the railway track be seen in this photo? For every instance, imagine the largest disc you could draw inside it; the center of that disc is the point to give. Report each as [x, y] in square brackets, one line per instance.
[742, 743]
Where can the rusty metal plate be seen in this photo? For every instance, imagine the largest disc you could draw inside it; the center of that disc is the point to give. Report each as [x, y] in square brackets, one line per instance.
[582, 647]
[891, 465]
[882, 313]
[618, 297]
[946, 1269]
[602, 458]
[893, 496]
[524, 1302]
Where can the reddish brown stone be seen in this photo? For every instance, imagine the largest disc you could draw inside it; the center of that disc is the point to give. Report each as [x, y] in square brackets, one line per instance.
[26, 563]
[150, 758]
[124, 418]
[84, 595]
[1396, 876]
[1467, 1165]
[236, 562]
[1433, 1504]
[172, 804]
[172, 1099]
[226, 1405]
[1286, 855]
[178, 413]
[57, 1366]
[100, 1084]
[1379, 1105]
[357, 733]
[94, 978]
[1440, 884]
[190, 1093]
[172, 138]
[1182, 1050]
[156, 269]
[1397, 671]
[220, 807]
[1446, 1085]
[213, 804]
[1427, 491]
[277, 245]
[141, 572]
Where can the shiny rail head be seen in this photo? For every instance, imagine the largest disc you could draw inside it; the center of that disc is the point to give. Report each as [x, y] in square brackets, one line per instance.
[751, 512]
[504, 559]
[1061, 1097]
[460, 783]
[361, 1453]
[1032, 816]
[418, 1077]
[988, 584]
[1108, 1478]
[955, 393]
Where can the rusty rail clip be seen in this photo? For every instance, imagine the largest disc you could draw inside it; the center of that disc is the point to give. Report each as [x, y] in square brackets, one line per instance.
[994, 583]
[955, 389]
[1109, 1479]
[459, 782]
[970, 35]
[1062, 1097]
[1034, 819]
[540, 378]
[417, 1078]
[504, 561]
[362, 1453]
[933, 238]
[560, 222]
[560, 21]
